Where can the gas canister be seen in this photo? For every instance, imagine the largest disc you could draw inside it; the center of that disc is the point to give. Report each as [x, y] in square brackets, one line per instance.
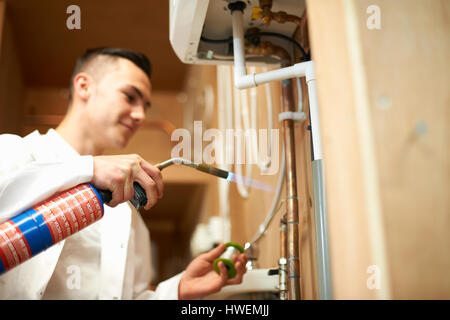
[53, 220]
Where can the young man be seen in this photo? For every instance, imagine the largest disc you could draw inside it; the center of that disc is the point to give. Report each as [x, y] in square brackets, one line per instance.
[110, 92]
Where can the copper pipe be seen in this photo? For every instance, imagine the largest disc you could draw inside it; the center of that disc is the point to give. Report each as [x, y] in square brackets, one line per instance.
[266, 6]
[292, 218]
[282, 262]
[291, 192]
[266, 48]
[280, 17]
[283, 237]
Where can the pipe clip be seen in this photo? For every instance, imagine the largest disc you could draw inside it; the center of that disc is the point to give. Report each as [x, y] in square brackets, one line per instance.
[290, 115]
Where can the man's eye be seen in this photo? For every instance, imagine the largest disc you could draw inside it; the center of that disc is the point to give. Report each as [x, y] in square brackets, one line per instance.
[130, 97]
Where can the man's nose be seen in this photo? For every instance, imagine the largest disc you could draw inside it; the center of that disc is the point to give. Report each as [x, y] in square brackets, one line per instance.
[138, 114]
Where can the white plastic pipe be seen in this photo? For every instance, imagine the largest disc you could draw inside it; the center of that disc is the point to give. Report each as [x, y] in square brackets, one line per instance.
[314, 115]
[303, 69]
[223, 100]
[238, 45]
[242, 189]
[266, 162]
[299, 96]
[244, 81]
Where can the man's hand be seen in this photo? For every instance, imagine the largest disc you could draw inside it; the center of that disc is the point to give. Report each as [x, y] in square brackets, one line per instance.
[200, 279]
[117, 174]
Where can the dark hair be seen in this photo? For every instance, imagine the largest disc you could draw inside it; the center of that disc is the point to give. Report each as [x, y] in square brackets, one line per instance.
[139, 59]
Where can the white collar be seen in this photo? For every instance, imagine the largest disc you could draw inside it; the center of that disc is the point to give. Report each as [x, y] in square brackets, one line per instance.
[58, 143]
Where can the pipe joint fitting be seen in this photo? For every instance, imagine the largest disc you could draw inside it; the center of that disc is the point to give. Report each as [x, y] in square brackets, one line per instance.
[245, 81]
[238, 5]
[310, 73]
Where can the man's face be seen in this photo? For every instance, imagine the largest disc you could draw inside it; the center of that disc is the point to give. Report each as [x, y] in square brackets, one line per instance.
[117, 105]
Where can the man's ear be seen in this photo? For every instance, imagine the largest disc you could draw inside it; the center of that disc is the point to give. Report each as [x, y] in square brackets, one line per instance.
[82, 86]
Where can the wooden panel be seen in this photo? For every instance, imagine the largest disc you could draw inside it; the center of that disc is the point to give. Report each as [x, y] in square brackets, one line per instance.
[48, 49]
[411, 113]
[11, 83]
[384, 102]
[2, 21]
[348, 178]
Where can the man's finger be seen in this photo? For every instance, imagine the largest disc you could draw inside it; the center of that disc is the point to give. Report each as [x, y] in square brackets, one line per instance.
[223, 272]
[244, 258]
[155, 174]
[240, 268]
[117, 195]
[128, 190]
[215, 253]
[149, 186]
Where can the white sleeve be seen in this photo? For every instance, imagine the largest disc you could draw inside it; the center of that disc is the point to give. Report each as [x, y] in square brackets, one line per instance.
[166, 290]
[25, 182]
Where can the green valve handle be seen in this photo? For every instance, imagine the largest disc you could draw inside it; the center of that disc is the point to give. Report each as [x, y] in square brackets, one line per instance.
[232, 248]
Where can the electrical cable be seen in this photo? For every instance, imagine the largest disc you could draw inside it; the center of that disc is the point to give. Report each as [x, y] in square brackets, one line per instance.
[282, 36]
[305, 55]
[237, 94]
[270, 122]
[276, 206]
[230, 39]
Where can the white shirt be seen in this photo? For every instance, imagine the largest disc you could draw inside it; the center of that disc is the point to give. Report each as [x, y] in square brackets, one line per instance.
[109, 259]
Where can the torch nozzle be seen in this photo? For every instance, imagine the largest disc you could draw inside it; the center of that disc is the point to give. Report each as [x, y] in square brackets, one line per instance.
[214, 171]
[172, 161]
[201, 167]
[229, 176]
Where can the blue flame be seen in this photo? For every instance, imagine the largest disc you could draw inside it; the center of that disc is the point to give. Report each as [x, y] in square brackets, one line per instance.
[249, 182]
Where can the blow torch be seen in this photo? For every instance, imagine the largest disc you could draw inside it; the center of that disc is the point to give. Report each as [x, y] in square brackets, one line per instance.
[64, 214]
